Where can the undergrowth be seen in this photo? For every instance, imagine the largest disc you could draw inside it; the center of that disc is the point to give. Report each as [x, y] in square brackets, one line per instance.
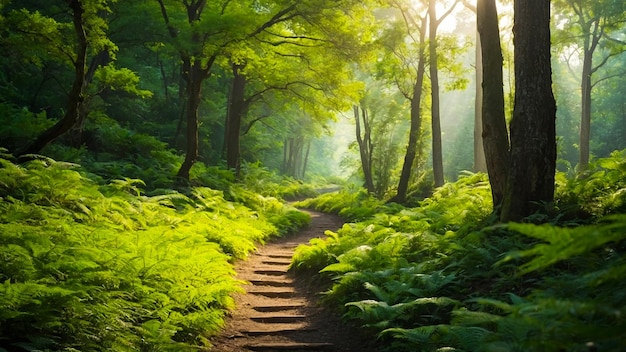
[442, 277]
[103, 267]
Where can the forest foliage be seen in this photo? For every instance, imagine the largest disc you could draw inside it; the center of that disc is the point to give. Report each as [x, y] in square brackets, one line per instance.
[104, 267]
[102, 247]
[443, 276]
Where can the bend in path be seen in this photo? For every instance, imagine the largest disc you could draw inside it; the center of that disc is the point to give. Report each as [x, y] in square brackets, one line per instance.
[281, 311]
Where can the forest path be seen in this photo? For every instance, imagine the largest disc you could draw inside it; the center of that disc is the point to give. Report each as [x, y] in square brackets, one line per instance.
[280, 311]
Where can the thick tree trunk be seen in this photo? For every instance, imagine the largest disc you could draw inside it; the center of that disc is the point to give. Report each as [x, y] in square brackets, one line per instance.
[480, 164]
[494, 134]
[435, 112]
[416, 120]
[236, 111]
[533, 135]
[365, 151]
[76, 94]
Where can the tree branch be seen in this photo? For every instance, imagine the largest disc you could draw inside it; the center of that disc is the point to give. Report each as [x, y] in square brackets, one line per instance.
[623, 73]
[277, 18]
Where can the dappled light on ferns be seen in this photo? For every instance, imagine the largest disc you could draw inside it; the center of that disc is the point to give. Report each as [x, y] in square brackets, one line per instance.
[103, 267]
[437, 277]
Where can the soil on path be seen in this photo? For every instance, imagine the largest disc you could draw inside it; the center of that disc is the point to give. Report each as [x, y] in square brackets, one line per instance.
[281, 311]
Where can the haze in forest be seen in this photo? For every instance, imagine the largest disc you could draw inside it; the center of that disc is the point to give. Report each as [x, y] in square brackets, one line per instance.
[478, 166]
[286, 107]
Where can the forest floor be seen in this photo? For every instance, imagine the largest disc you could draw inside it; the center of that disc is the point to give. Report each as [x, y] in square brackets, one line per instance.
[281, 310]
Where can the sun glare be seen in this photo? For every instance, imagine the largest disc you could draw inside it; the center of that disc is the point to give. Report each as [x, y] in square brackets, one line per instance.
[449, 24]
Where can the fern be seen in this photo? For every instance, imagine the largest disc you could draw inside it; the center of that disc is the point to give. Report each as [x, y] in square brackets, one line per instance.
[102, 267]
[566, 243]
[433, 277]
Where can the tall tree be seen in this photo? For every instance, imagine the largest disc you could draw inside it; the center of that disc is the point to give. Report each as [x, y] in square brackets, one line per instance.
[434, 23]
[88, 31]
[533, 136]
[201, 36]
[480, 163]
[494, 131]
[406, 68]
[236, 109]
[416, 116]
[589, 25]
[365, 145]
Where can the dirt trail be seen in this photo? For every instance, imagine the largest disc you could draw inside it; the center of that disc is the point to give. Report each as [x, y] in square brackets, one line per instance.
[281, 311]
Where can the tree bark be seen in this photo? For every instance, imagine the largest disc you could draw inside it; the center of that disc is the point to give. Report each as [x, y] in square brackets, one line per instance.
[533, 135]
[435, 112]
[76, 94]
[494, 131]
[236, 111]
[195, 77]
[480, 163]
[589, 46]
[194, 71]
[416, 120]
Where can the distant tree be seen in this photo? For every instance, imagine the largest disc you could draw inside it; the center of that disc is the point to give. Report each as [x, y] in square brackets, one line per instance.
[480, 161]
[308, 55]
[366, 147]
[592, 27]
[405, 66]
[434, 23]
[533, 136]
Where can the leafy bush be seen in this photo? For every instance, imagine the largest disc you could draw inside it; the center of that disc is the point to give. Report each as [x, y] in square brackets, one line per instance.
[85, 266]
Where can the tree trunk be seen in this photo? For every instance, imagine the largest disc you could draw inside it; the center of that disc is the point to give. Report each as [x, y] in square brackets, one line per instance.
[76, 94]
[533, 135]
[194, 72]
[306, 160]
[480, 163]
[585, 113]
[364, 143]
[285, 156]
[292, 157]
[195, 77]
[75, 134]
[236, 111]
[494, 134]
[434, 79]
[416, 120]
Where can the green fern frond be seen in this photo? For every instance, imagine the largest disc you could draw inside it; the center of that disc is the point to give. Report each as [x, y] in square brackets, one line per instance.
[565, 243]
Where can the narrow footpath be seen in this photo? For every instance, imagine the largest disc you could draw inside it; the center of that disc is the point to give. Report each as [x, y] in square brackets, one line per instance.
[281, 311]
